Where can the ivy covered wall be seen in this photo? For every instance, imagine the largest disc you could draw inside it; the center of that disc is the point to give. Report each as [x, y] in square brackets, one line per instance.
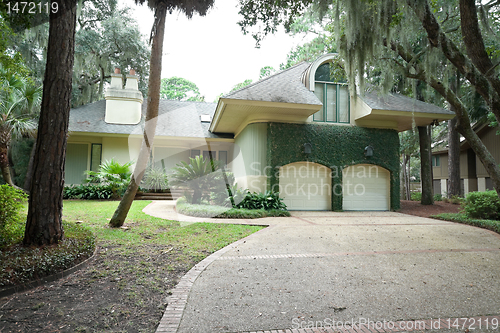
[335, 147]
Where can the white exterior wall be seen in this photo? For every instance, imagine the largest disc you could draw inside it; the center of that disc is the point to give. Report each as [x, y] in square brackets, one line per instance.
[481, 184]
[249, 158]
[444, 187]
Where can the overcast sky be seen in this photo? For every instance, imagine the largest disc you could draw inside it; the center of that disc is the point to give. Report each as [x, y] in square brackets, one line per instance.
[212, 51]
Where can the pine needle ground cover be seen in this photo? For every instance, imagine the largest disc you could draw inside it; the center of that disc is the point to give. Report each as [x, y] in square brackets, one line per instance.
[124, 288]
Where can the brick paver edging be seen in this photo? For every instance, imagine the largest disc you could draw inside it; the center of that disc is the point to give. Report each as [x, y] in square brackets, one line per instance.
[485, 324]
[177, 301]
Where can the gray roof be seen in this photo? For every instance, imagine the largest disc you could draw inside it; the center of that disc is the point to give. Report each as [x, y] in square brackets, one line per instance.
[399, 102]
[285, 87]
[175, 118]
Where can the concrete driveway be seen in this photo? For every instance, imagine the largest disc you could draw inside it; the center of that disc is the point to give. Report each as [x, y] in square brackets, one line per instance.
[327, 270]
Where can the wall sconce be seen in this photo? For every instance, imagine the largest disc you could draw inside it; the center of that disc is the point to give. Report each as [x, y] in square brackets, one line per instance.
[368, 151]
[307, 149]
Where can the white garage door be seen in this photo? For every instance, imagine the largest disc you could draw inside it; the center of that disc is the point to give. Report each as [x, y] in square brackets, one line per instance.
[365, 187]
[306, 186]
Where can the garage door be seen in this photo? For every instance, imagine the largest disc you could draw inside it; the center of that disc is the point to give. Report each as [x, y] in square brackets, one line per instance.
[306, 186]
[365, 187]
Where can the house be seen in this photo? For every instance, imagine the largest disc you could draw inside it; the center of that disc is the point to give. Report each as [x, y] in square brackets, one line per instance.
[473, 175]
[321, 146]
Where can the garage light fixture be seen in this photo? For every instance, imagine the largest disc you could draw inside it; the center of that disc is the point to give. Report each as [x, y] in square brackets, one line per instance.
[307, 149]
[368, 151]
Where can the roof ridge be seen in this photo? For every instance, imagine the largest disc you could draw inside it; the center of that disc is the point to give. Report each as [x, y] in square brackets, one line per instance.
[264, 79]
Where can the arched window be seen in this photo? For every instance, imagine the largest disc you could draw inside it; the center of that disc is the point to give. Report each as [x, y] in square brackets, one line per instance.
[333, 96]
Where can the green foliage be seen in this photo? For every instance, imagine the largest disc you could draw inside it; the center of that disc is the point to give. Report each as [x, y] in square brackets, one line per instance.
[335, 147]
[463, 218]
[21, 152]
[416, 196]
[266, 201]
[177, 88]
[21, 264]
[155, 180]
[89, 192]
[482, 205]
[11, 203]
[241, 85]
[106, 38]
[112, 175]
[199, 176]
[183, 207]
[266, 71]
[438, 197]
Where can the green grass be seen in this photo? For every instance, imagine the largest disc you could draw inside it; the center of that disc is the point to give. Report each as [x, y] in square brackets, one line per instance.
[462, 218]
[142, 235]
[224, 212]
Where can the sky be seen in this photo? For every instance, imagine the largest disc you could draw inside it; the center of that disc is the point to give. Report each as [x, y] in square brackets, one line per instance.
[212, 51]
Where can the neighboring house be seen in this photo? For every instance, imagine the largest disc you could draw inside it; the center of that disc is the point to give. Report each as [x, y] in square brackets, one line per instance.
[473, 175]
[294, 132]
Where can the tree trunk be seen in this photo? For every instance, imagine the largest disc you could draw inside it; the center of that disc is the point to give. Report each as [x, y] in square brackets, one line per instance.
[403, 178]
[5, 137]
[453, 159]
[29, 171]
[151, 118]
[425, 165]
[407, 178]
[44, 223]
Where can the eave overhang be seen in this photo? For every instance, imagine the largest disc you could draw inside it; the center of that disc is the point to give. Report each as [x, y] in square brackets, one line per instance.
[399, 120]
[233, 115]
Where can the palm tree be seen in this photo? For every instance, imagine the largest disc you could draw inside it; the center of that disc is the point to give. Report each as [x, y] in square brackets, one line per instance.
[19, 107]
[198, 175]
[160, 7]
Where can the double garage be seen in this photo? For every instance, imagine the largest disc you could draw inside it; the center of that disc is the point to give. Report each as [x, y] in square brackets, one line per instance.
[308, 186]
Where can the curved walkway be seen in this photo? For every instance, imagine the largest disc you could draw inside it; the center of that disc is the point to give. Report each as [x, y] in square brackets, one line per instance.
[324, 271]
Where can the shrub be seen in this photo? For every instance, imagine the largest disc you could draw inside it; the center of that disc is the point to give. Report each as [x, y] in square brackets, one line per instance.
[88, 191]
[482, 205]
[438, 197]
[155, 179]
[416, 196]
[198, 175]
[183, 207]
[114, 174]
[11, 222]
[267, 201]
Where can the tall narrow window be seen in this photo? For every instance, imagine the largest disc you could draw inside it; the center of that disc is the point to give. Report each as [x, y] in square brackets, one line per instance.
[95, 156]
[212, 155]
[223, 158]
[333, 96]
[195, 152]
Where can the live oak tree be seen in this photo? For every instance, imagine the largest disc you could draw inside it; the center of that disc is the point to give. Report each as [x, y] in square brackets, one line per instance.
[180, 89]
[419, 39]
[44, 222]
[160, 7]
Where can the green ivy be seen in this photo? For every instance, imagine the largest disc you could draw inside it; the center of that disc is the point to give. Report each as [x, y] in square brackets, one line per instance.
[334, 147]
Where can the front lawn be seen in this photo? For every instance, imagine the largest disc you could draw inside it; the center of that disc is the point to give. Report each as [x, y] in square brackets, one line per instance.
[124, 288]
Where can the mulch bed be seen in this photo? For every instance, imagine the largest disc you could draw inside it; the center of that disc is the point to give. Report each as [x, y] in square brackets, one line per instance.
[417, 209]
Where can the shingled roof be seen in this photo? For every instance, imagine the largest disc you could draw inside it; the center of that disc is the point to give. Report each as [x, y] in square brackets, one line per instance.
[283, 87]
[397, 102]
[176, 118]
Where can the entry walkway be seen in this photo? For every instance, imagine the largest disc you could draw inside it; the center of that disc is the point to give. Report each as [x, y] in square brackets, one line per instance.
[326, 270]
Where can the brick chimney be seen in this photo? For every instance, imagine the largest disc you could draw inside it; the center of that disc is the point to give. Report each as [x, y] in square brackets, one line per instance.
[123, 105]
